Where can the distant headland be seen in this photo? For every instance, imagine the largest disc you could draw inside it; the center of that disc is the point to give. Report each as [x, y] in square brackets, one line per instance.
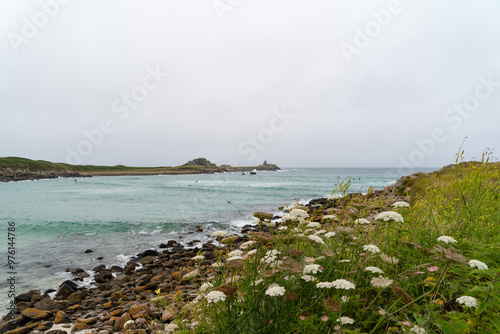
[19, 169]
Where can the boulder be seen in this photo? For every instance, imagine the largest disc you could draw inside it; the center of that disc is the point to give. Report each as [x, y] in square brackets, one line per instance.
[45, 304]
[35, 314]
[62, 318]
[120, 322]
[66, 289]
[139, 311]
[79, 327]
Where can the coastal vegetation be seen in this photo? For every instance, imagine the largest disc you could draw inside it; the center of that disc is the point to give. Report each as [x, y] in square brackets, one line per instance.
[422, 259]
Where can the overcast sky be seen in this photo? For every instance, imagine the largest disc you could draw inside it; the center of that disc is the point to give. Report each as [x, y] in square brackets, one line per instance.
[321, 83]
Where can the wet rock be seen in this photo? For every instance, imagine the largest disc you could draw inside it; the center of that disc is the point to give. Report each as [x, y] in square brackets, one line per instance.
[87, 321]
[35, 314]
[139, 311]
[116, 269]
[62, 318]
[65, 289]
[99, 268]
[24, 297]
[45, 325]
[149, 252]
[19, 330]
[88, 251]
[148, 260]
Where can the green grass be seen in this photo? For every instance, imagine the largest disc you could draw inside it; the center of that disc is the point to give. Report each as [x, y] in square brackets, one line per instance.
[425, 277]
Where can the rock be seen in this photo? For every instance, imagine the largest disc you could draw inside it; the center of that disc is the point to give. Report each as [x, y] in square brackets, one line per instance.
[140, 322]
[116, 269]
[45, 304]
[56, 331]
[87, 321]
[88, 251]
[19, 330]
[62, 318]
[13, 324]
[74, 297]
[167, 314]
[24, 297]
[45, 325]
[120, 322]
[99, 268]
[65, 289]
[35, 314]
[103, 332]
[79, 327]
[149, 252]
[103, 276]
[200, 162]
[139, 311]
[148, 260]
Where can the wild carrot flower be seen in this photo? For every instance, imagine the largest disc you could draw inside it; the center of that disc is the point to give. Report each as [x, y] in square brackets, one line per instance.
[418, 330]
[235, 253]
[343, 284]
[362, 221]
[467, 301]
[218, 234]
[320, 232]
[389, 215]
[389, 259]
[333, 197]
[313, 225]
[247, 244]
[316, 239]
[282, 228]
[345, 320]
[374, 270]
[309, 278]
[191, 274]
[205, 286]
[381, 282]
[215, 296]
[251, 252]
[198, 258]
[478, 264]
[329, 217]
[344, 299]
[324, 285]
[446, 239]
[275, 290]
[329, 234]
[170, 328]
[371, 248]
[311, 269]
[400, 205]
[296, 214]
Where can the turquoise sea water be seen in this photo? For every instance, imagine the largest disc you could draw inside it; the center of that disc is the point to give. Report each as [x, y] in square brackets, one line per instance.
[120, 216]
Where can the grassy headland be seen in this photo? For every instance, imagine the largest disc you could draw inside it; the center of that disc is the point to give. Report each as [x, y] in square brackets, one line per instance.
[421, 257]
[14, 169]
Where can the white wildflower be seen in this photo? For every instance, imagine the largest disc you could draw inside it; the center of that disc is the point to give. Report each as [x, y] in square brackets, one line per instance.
[418, 330]
[313, 225]
[320, 232]
[371, 248]
[198, 258]
[390, 215]
[362, 221]
[297, 214]
[282, 228]
[257, 282]
[478, 264]
[205, 286]
[324, 285]
[235, 253]
[329, 234]
[217, 265]
[401, 205]
[218, 234]
[374, 270]
[248, 244]
[309, 278]
[275, 290]
[329, 217]
[446, 239]
[343, 284]
[333, 197]
[344, 299]
[251, 252]
[345, 320]
[234, 258]
[389, 259]
[316, 239]
[381, 282]
[311, 269]
[191, 274]
[128, 323]
[345, 261]
[215, 296]
[170, 328]
[467, 301]
[309, 260]
[194, 324]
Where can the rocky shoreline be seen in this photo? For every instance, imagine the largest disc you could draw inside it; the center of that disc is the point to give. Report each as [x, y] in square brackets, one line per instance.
[141, 293]
[13, 175]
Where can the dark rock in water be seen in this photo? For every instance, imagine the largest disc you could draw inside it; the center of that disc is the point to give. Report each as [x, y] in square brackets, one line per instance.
[163, 245]
[65, 289]
[24, 297]
[149, 252]
[99, 268]
[49, 291]
[116, 269]
[99, 258]
[103, 276]
[199, 229]
[88, 251]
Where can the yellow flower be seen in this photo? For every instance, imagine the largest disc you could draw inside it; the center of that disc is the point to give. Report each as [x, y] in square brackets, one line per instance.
[158, 291]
